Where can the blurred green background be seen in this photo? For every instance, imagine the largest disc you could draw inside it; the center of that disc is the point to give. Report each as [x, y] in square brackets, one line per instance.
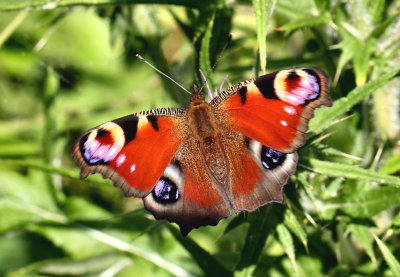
[69, 65]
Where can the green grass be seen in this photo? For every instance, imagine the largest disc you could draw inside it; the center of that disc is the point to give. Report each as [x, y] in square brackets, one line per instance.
[69, 65]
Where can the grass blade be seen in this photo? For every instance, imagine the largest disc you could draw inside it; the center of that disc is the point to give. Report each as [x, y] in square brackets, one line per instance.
[261, 7]
[353, 172]
[325, 116]
[11, 5]
[205, 260]
[261, 226]
[389, 257]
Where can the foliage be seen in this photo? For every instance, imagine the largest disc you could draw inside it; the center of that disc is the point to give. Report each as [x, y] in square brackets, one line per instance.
[66, 66]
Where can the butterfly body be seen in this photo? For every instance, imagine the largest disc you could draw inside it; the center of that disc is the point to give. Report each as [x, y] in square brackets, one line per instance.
[193, 166]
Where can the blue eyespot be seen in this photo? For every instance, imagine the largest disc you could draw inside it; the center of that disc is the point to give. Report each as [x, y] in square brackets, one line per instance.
[271, 158]
[165, 191]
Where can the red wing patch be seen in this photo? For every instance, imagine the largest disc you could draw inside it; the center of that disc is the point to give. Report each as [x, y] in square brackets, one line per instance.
[132, 151]
[246, 177]
[200, 192]
[272, 122]
[141, 162]
[275, 109]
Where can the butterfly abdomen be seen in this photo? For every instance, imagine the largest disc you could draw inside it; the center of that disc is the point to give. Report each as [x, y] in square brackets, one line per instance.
[207, 133]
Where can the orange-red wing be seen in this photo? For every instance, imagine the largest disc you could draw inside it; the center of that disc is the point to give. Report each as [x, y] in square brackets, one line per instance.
[275, 109]
[132, 151]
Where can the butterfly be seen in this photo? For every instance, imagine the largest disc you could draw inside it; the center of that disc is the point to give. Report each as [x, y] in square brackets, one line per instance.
[194, 166]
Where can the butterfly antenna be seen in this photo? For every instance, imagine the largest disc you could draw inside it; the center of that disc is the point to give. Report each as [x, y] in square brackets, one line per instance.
[162, 73]
[222, 52]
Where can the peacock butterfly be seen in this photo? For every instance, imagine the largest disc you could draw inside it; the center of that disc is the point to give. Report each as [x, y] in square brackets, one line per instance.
[193, 166]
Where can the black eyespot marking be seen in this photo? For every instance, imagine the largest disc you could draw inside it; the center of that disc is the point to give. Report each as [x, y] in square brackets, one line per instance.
[165, 192]
[178, 165]
[87, 152]
[292, 75]
[312, 73]
[153, 121]
[315, 83]
[271, 158]
[101, 132]
[242, 93]
[129, 126]
[266, 85]
[247, 142]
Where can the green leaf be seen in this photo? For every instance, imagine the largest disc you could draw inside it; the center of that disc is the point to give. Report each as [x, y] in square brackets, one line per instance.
[389, 257]
[209, 265]
[353, 172]
[376, 8]
[311, 266]
[91, 50]
[391, 166]
[82, 242]
[261, 8]
[33, 164]
[306, 21]
[204, 57]
[112, 262]
[15, 214]
[396, 220]
[77, 243]
[381, 26]
[361, 61]
[364, 237]
[365, 204]
[80, 209]
[9, 30]
[325, 116]
[261, 225]
[29, 189]
[236, 222]
[18, 149]
[9, 5]
[333, 189]
[21, 249]
[286, 240]
[294, 225]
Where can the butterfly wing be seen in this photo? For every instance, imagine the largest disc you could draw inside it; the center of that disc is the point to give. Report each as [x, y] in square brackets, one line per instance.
[132, 151]
[187, 197]
[274, 109]
[272, 113]
[153, 156]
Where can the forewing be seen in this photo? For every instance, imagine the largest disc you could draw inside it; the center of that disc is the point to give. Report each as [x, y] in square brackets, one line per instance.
[275, 109]
[132, 151]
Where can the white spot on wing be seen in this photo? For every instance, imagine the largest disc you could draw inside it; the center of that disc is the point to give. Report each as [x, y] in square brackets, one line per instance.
[113, 151]
[284, 123]
[133, 168]
[121, 160]
[294, 99]
[94, 144]
[289, 110]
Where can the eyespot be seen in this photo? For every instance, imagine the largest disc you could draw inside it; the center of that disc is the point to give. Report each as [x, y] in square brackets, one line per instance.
[165, 191]
[271, 158]
[102, 144]
[297, 86]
